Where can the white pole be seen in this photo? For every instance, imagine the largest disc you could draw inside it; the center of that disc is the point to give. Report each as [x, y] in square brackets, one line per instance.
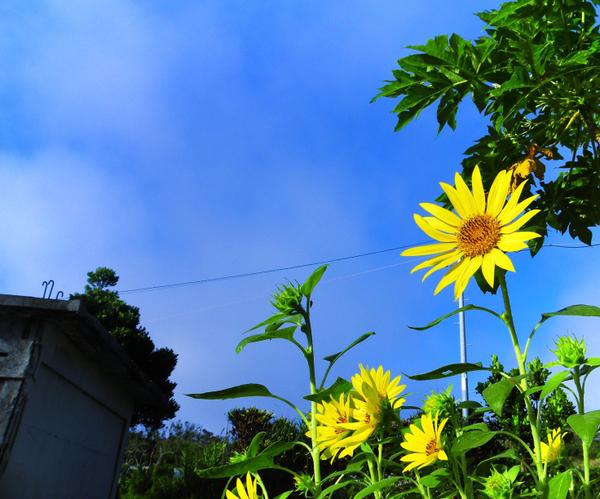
[464, 382]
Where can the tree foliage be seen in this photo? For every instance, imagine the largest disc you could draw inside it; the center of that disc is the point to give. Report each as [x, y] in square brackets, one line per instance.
[122, 321]
[534, 76]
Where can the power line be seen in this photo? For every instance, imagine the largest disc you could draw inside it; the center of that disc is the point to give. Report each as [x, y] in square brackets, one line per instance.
[301, 266]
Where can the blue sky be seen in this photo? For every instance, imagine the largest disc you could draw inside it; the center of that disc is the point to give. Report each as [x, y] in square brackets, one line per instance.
[209, 138]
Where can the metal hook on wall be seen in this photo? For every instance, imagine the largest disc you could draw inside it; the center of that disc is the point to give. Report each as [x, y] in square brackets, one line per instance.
[48, 293]
[46, 284]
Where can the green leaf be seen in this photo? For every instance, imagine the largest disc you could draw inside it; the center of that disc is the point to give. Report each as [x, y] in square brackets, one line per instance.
[332, 488]
[507, 454]
[468, 404]
[339, 386]
[255, 444]
[585, 425]
[435, 478]
[553, 383]
[558, 486]
[449, 370]
[285, 495]
[454, 312]
[252, 465]
[574, 310]
[476, 427]
[496, 394]
[310, 283]
[381, 484]
[286, 333]
[593, 361]
[332, 359]
[276, 321]
[235, 392]
[471, 440]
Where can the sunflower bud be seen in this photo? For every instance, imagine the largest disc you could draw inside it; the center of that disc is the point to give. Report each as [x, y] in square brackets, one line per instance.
[442, 404]
[498, 485]
[288, 299]
[570, 351]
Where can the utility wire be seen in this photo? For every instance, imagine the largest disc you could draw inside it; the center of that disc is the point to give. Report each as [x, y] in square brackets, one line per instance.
[303, 265]
[266, 271]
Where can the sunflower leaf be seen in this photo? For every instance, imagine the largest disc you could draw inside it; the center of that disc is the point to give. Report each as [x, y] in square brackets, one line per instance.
[454, 312]
[448, 370]
[381, 484]
[585, 425]
[471, 440]
[286, 333]
[574, 310]
[334, 391]
[497, 393]
[310, 283]
[558, 486]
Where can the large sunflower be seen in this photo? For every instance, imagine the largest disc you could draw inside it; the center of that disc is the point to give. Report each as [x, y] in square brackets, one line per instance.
[477, 234]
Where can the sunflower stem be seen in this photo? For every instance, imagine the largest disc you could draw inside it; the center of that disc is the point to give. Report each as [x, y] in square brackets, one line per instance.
[509, 320]
[373, 474]
[262, 486]
[310, 359]
[585, 450]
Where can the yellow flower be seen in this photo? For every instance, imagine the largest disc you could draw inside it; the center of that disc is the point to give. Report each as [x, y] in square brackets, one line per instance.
[425, 443]
[478, 235]
[552, 449]
[334, 434]
[247, 492]
[375, 392]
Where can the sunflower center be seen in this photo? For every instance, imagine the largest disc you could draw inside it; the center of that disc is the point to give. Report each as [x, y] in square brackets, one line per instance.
[431, 448]
[478, 235]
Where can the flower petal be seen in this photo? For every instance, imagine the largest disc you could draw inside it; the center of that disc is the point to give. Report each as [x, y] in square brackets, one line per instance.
[428, 249]
[457, 202]
[507, 229]
[461, 282]
[488, 267]
[433, 233]
[498, 193]
[442, 213]
[450, 276]
[478, 192]
[465, 194]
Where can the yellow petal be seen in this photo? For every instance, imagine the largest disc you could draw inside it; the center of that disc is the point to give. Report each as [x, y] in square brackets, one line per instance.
[510, 245]
[433, 233]
[438, 224]
[461, 282]
[511, 203]
[520, 236]
[465, 194]
[478, 192]
[428, 249]
[498, 193]
[507, 229]
[456, 200]
[450, 276]
[230, 495]
[517, 210]
[442, 456]
[448, 259]
[502, 260]
[442, 213]
[488, 267]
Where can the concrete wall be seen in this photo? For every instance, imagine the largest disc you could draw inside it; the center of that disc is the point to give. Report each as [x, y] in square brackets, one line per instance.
[73, 426]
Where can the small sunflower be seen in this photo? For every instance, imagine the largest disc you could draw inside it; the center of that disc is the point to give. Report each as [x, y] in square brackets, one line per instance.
[425, 443]
[552, 449]
[375, 392]
[244, 492]
[335, 434]
[477, 235]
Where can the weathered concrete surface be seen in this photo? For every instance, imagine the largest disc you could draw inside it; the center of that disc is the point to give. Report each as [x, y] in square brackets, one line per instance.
[67, 393]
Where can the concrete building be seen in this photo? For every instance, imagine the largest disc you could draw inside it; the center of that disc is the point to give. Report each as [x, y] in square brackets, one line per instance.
[67, 391]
